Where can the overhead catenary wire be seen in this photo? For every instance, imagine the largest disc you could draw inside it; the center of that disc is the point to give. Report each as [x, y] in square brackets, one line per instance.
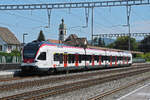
[108, 21]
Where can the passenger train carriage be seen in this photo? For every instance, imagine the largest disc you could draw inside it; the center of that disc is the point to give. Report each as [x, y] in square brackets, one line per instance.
[45, 56]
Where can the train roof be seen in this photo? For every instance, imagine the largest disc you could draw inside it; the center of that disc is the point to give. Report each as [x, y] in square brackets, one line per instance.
[38, 43]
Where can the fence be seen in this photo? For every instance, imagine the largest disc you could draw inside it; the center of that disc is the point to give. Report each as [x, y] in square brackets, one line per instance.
[10, 59]
[138, 60]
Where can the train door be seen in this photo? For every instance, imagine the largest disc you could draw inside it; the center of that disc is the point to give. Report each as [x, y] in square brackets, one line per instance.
[100, 60]
[123, 59]
[76, 60]
[110, 60]
[115, 60]
[92, 60]
[65, 60]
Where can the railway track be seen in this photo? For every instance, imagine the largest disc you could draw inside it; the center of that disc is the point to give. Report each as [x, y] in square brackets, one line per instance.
[15, 78]
[56, 90]
[105, 94]
[20, 78]
[27, 84]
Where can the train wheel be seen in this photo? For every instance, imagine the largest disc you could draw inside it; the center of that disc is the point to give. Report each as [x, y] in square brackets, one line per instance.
[51, 71]
[24, 70]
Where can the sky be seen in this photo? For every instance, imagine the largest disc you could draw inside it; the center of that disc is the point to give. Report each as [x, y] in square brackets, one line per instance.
[106, 20]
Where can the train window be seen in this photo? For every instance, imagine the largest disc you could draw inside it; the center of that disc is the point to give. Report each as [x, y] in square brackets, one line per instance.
[86, 57]
[129, 58]
[70, 58]
[125, 58]
[96, 57]
[56, 57]
[61, 58]
[119, 58]
[108, 58]
[83, 57]
[80, 58]
[102, 58]
[105, 58]
[113, 58]
[42, 56]
[90, 58]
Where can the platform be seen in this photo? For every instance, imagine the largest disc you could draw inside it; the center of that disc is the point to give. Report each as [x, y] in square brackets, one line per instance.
[8, 73]
[142, 93]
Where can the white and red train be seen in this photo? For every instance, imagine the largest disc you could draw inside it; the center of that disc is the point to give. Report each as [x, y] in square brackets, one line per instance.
[45, 56]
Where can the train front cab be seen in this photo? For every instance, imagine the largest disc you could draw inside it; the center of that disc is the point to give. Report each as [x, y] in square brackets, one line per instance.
[40, 59]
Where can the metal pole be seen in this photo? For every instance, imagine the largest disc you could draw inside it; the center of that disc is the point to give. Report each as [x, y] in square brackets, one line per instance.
[92, 23]
[49, 15]
[128, 24]
[24, 38]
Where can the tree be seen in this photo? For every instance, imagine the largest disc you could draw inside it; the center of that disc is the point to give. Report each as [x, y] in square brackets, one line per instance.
[98, 42]
[101, 42]
[122, 43]
[144, 45]
[41, 36]
[95, 43]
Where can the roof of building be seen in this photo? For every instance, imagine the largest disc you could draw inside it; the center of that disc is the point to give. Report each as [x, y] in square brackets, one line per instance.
[8, 36]
[54, 41]
[73, 40]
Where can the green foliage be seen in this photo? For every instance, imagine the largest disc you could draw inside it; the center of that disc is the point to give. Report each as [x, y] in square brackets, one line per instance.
[41, 36]
[13, 53]
[101, 42]
[145, 44]
[16, 53]
[122, 43]
[98, 42]
[145, 56]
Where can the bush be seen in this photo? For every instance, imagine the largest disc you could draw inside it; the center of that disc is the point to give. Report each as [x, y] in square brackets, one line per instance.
[16, 53]
[8, 57]
[13, 53]
[145, 56]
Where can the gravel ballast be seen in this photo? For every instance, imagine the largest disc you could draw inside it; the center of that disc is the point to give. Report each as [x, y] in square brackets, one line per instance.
[87, 93]
[82, 94]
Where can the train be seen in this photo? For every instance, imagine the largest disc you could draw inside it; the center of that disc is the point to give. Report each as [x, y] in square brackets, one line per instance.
[51, 57]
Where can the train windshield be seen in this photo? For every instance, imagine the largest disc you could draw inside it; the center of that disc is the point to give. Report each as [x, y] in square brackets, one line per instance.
[30, 51]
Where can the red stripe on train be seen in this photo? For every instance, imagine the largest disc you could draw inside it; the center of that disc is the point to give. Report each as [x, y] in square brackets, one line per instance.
[100, 60]
[110, 60]
[65, 60]
[115, 60]
[76, 60]
[28, 60]
[93, 60]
